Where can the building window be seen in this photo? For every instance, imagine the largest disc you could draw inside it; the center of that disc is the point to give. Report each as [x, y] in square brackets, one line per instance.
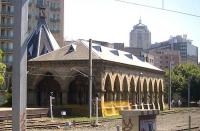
[4, 46]
[10, 58]
[4, 59]
[10, 46]
[9, 9]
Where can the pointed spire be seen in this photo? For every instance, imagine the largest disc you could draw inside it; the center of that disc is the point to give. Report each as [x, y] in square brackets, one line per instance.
[140, 20]
[35, 46]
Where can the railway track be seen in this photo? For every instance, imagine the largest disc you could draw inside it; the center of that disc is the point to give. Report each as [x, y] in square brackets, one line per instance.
[33, 123]
[37, 124]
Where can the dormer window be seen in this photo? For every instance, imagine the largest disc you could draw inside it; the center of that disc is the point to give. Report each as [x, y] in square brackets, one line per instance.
[130, 56]
[97, 48]
[115, 52]
[72, 48]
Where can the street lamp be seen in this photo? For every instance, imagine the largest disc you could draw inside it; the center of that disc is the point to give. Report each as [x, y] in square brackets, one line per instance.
[89, 76]
[51, 105]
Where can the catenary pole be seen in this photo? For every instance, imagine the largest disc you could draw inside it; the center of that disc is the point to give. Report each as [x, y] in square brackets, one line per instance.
[189, 116]
[19, 94]
[170, 85]
[97, 113]
[90, 77]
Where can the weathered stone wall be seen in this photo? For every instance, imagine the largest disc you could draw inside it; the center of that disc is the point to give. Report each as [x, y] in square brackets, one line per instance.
[113, 81]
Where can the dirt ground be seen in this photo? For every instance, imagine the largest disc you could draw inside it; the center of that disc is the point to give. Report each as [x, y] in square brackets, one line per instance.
[172, 121]
[179, 121]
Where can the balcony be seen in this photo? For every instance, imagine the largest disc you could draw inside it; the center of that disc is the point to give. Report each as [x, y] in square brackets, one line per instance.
[7, 1]
[7, 13]
[6, 25]
[54, 8]
[7, 50]
[55, 30]
[7, 38]
[54, 20]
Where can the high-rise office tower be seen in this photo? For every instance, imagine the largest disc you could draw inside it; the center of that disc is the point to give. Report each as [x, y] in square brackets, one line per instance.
[54, 19]
[140, 36]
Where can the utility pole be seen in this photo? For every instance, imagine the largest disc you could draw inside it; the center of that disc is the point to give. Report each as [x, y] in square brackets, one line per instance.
[170, 86]
[97, 101]
[90, 77]
[19, 94]
[189, 123]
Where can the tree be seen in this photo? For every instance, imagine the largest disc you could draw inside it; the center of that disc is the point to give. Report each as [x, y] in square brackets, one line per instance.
[182, 75]
[2, 71]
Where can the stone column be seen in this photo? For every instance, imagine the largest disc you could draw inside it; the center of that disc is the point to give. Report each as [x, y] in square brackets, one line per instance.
[134, 100]
[146, 104]
[64, 98]
[157, 105]
[152, 105]
[147, 101]
[161, 100]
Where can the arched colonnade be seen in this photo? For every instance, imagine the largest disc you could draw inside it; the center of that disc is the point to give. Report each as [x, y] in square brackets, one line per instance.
[138, 91]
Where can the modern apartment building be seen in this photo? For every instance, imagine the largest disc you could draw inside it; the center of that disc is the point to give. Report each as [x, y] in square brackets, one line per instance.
[162, 58]
[6, 29]
[140, 36]
[188, 52]
[54, 19]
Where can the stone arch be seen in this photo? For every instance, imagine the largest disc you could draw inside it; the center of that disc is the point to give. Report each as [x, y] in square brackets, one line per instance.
[38, 78]
[151, 94]
[108, 89]
[145, 94]
[139, 90]
[156, 94]
[44, 88]
[78, 92]
[125, 94]
[117, 92]
[132, 96]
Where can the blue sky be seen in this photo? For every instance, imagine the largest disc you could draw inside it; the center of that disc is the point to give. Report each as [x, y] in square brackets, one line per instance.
[110, 20]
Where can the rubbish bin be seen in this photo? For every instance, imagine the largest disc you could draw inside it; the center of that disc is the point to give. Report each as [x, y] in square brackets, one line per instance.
[139, 120]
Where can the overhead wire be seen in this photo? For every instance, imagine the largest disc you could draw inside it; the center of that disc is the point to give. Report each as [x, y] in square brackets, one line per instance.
[158, 8]
[34, 67]
[37, 74]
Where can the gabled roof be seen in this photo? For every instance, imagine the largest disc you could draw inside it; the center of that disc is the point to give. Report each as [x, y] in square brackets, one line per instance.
[81, 52]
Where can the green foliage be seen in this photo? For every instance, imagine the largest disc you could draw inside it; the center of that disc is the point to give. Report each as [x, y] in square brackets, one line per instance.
[2, 70]
[182, 76]
[8, 97]
[5, 95]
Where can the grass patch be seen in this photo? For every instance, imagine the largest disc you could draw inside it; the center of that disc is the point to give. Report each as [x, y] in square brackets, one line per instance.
[79, 119]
